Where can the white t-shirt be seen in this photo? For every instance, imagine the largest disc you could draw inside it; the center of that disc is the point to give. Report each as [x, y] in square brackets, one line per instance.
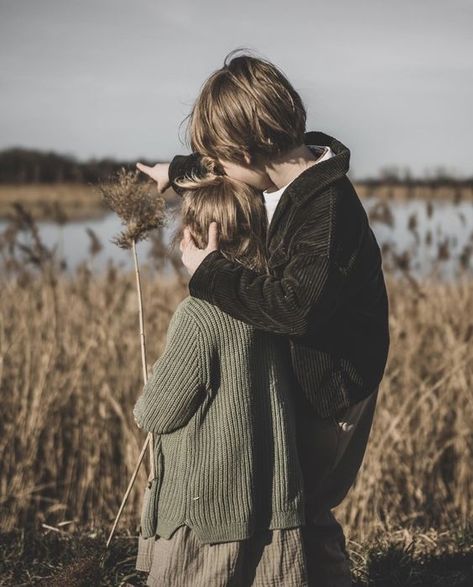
[271, 199]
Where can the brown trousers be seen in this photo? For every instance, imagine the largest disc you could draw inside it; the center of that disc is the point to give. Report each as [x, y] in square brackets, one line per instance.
[331, 452]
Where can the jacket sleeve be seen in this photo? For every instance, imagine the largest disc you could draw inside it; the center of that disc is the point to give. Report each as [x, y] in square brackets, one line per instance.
[307, 293]
[177, 384]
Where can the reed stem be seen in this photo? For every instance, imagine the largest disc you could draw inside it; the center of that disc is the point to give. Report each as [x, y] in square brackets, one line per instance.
[149, 438]
[143, 344]
[129, 488]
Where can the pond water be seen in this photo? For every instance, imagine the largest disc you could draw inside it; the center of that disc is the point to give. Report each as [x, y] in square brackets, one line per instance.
[73, 242]
[438, 236]
[420, 229]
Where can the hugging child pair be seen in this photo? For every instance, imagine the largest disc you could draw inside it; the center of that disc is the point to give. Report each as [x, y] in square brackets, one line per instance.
[263, 399]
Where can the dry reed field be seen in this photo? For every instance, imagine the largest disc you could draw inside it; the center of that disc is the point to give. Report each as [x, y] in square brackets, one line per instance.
[70, 374]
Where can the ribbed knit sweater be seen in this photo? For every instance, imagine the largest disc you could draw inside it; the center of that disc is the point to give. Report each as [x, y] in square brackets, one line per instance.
[220, 401]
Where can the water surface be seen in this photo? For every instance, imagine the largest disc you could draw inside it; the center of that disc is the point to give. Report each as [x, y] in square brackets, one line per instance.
[416, 227]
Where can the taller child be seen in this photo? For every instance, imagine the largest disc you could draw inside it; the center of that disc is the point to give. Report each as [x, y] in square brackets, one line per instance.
[326, 289]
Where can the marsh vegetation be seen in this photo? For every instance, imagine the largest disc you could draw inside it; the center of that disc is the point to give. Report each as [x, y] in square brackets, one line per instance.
[70, 374]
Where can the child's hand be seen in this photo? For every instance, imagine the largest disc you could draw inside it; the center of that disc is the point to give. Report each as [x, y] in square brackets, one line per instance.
[160, 174]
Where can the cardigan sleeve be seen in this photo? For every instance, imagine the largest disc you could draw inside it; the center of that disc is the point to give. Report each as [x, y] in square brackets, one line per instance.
[177, 384]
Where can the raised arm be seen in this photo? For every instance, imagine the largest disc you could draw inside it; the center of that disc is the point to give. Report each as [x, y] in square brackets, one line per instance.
[164, 174]
[177, 384]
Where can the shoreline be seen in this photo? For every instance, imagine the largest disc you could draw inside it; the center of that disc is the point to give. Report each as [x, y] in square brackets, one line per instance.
[48, 201]
[83, 202]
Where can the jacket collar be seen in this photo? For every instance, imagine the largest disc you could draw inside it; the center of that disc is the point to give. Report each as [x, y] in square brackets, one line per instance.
[319, 176]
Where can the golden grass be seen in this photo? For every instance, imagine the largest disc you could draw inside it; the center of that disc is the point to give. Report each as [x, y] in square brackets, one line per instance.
[69, 442]
[70, 374]
[417, 468]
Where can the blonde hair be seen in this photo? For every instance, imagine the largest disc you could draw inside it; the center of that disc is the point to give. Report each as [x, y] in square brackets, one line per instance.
[246, 107]
[238, 210]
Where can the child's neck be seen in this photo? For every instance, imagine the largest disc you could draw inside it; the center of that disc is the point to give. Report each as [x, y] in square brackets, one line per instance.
[287, 167]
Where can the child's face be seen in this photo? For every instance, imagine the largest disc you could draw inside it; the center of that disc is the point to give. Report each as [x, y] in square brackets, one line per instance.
[252, 175]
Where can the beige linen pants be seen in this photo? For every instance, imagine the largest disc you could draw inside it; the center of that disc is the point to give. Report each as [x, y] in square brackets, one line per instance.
[331, 451]
[268, 558]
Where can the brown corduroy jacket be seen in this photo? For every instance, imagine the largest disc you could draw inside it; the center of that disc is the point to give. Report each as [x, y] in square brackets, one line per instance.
[325, 289]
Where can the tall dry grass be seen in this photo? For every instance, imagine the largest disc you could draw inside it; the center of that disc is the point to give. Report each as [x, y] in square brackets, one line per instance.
[418, 466]
[68, 442]
[70, 374]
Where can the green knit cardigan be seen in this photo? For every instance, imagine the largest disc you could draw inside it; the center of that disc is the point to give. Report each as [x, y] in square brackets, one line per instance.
[219, 402]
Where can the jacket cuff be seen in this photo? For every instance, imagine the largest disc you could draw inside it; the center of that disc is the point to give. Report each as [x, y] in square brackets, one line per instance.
[202, 282]
[184, 166]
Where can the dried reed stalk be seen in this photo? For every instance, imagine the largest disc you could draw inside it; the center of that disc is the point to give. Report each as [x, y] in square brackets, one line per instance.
[140, 212]
[149, 437]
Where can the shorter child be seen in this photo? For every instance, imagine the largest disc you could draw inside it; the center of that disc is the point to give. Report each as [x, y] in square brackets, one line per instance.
[226, 506]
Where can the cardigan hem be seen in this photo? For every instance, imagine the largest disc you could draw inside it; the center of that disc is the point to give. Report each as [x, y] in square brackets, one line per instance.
[228, 532]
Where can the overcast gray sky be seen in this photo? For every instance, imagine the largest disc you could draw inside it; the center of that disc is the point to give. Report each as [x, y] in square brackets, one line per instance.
[391, 80]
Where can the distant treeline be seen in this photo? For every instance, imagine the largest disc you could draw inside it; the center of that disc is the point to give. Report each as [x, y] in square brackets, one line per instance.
[394, 175]
[19, 166]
